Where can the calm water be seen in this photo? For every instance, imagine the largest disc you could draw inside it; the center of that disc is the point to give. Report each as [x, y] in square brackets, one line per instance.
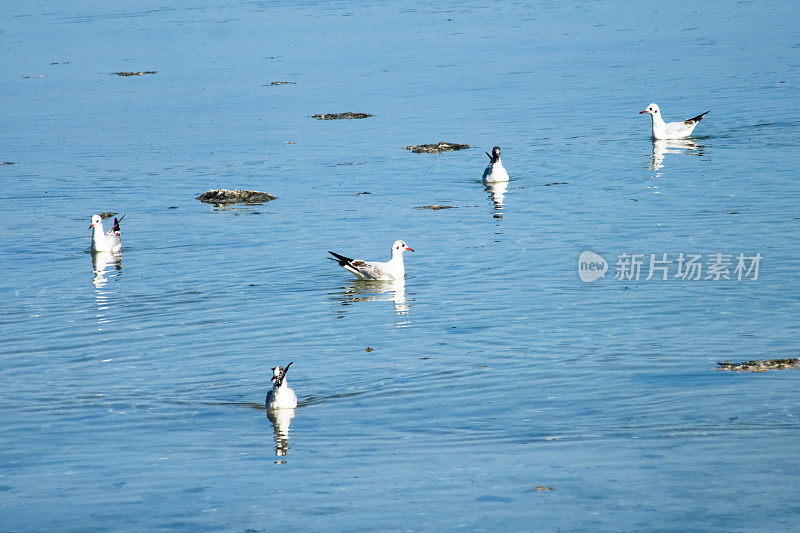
[132, 397]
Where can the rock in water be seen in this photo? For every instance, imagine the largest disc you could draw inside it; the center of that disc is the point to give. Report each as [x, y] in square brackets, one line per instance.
[243, 196]
[761, 365]
[436, 148]
[340, 116]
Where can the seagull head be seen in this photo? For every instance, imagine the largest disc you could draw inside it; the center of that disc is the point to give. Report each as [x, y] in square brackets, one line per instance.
[400, 247]
[651, 109]
[495, 154]
[279, 373]
[96, 221]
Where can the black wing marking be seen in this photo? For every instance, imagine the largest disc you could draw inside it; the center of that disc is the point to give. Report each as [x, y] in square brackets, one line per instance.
[115, 228]
[342, 260]
[698, 118]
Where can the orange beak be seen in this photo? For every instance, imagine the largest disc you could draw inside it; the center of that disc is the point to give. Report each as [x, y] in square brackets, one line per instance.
[645, 111]
[409, 249]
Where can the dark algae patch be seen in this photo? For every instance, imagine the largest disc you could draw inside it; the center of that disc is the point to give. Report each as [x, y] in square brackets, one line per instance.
[243, 196]
[436, 148]
[141, 73]
[340, 116]
[761, 365]
[436, 207]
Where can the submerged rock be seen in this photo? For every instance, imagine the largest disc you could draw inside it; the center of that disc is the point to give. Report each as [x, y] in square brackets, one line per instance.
[435, 207]
[340, 116]
[142, 73]
[224, 196]
[761, 365]
[436, 148]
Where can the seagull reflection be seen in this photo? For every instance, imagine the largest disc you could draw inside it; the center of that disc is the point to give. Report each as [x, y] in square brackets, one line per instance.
[101, 266]
[497, 193]
[661, 147]
[100, 263]
[379, 291]
[281, 418]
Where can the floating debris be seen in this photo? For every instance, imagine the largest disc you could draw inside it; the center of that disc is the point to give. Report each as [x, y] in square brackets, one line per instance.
[348, 164]
[35, 76]
[364, 192]
[290, 142]
[142, 73]
[436, 148]
[8, 163]
[761, 365]
[732, 213]
[282, 83]
[542, 488]
[369, 349]
[107, 214]
[435, 207]
[340, 116]
[555, 183]
[224, 196]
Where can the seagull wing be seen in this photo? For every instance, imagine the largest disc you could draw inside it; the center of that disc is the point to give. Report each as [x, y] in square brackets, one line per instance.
[695, 120]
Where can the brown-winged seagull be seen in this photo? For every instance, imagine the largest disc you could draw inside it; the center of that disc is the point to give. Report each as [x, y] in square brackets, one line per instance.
[109, 241]
[495, 172]
[280, 396]
[671, 130]
[373, 270]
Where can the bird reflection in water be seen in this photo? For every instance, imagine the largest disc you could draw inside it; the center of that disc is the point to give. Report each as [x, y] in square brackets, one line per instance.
[379, 291]
[661, 147]
[281, 418]
[101, 261]
[497, 194]
[104, 264]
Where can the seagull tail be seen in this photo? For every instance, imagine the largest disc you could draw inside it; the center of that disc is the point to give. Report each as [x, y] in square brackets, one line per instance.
[342, 260]
[698, 118]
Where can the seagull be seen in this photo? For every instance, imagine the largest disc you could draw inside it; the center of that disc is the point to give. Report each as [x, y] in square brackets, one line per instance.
[281, 396]
[373, 270]
[495, 171]
[105, 242]
[671, 130]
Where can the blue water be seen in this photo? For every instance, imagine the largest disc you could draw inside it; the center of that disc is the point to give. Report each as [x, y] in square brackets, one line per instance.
[132, 390]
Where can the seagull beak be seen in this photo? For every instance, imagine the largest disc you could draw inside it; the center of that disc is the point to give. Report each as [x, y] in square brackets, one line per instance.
[409, 249]
[272, 378]
[645, 111]
[91, 226]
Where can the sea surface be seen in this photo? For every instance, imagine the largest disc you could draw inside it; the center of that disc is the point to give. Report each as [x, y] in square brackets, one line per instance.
[494, 390]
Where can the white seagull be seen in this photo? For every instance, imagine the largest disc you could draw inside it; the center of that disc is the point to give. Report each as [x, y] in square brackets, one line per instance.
[495, 171]
[110, 241]
[671, 130]
[281, 396]
[373, 270]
